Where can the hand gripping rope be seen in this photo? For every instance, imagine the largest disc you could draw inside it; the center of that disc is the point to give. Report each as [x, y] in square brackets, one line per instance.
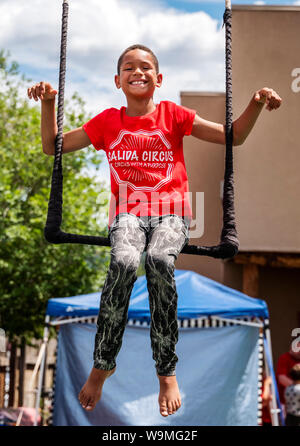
[229, 243]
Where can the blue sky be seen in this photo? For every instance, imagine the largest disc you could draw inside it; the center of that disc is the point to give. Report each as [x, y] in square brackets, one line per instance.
[186, 36]
[215, 8]
[99, 31]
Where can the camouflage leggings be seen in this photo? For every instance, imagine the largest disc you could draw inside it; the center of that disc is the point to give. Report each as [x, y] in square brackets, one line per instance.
[164, 237]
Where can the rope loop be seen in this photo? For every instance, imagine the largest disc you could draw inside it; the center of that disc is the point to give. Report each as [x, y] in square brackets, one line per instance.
[228, 245]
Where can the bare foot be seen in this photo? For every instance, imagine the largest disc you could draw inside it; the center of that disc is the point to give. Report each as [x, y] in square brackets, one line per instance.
[169, 397]
[91, 392]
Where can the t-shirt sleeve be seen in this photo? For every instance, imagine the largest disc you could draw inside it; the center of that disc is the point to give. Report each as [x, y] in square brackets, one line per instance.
[95, 128]
[184, 118]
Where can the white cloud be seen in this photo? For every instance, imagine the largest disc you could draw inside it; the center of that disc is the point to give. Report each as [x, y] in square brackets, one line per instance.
[201, 1]
[189, 46]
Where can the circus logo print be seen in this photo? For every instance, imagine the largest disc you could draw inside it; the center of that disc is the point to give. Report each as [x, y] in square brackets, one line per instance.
[141, 159]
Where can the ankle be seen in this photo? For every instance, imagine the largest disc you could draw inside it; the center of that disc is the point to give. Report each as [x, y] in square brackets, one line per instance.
[167, 379]
[99, 373]
[100, 369]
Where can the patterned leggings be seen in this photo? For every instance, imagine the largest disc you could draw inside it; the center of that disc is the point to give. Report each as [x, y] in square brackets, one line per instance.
[129, 235]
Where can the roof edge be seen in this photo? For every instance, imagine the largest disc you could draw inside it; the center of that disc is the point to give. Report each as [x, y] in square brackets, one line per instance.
[265, 7]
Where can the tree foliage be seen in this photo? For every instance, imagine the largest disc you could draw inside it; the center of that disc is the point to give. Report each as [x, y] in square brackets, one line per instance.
[31, 269]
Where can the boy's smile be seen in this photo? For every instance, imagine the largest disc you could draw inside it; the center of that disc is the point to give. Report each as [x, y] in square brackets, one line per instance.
[138, 83]
[138, 77]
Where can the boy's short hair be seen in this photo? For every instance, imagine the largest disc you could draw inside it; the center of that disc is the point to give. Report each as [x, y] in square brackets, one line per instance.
[295, 372]
[137, 46]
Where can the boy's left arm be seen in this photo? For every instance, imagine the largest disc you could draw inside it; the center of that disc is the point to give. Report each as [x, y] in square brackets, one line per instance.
[214, 132]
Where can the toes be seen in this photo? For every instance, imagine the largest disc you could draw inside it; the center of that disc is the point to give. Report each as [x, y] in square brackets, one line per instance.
[90, 403]
[82, 399]
[169, 407]
[163, 409]
[89, 407]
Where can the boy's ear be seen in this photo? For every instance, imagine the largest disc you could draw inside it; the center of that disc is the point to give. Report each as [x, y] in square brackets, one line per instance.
[117, 81]
[159, 80]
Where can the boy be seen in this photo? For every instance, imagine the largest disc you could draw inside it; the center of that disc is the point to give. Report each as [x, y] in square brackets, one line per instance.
[143, 143]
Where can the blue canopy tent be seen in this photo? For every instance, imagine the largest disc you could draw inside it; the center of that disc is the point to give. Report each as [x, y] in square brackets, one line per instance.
[220, 349]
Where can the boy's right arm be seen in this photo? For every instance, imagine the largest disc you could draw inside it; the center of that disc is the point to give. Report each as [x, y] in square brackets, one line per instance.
[73, 140]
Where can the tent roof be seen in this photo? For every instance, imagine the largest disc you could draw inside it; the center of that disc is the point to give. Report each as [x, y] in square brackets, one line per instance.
[198, 296]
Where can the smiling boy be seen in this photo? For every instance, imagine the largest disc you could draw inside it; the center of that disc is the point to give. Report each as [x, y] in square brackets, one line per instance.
[143, 143]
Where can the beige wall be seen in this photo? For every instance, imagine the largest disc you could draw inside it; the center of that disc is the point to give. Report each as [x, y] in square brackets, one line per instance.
[266, 48]
[205, 168]
[267, 180]
[265, 51]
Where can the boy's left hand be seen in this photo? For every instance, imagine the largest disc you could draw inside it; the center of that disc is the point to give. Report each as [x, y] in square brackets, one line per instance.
[269, 96]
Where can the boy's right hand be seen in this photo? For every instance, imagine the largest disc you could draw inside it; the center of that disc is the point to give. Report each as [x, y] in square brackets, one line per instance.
[42, 90]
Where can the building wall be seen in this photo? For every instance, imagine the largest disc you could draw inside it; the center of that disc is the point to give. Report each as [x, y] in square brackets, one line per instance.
[267, 182]
[205, 168]
[265, 53]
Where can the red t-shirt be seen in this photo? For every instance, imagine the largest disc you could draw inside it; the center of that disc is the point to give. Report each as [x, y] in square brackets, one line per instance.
[284, 365]
[145, 155]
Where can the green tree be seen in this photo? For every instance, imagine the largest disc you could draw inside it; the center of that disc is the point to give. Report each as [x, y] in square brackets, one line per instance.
[31, 269]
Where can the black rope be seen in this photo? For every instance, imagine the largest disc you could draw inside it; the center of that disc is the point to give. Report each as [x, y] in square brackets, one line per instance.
[229, 243]
[229, 233]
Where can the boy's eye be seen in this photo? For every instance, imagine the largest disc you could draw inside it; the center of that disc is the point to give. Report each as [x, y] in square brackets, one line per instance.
[144, 68]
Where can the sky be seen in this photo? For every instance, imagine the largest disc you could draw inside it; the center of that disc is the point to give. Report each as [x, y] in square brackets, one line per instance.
[186, 36]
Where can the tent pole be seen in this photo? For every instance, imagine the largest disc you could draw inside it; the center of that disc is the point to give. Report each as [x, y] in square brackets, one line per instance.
[274, 407]
[42, 368]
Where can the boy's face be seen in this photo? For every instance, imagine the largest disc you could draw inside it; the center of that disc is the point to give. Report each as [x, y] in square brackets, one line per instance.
[138, 77]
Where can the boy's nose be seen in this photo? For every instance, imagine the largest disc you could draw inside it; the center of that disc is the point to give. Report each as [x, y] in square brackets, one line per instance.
[138, 71]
